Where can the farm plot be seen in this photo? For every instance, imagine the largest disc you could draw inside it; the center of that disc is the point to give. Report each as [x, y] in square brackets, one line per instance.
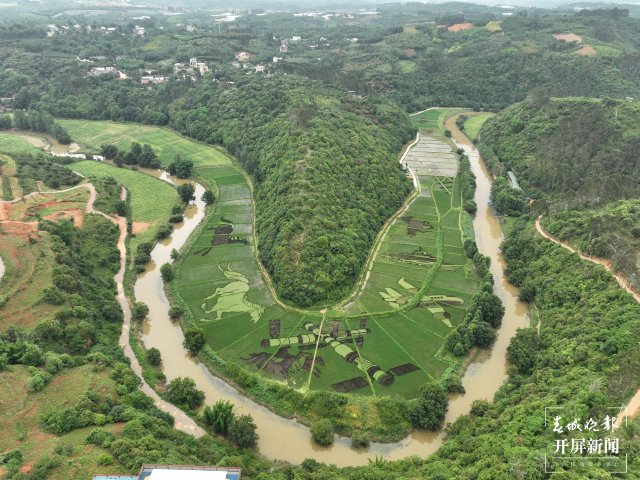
[473, 124]
[165, 142]
[432, 119]
[421, 262]
[50, 206]
[376, 345]
[151, 199]
[12, 143]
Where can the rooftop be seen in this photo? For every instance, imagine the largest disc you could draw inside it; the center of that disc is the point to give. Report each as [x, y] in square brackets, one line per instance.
[178, 472]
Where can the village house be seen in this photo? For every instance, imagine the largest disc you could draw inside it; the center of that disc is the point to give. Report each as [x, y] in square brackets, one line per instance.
[260, 68]
[243, 56]
[100, 71]
[200, 66]
[152, 80]
[138, 31]
[175, 472]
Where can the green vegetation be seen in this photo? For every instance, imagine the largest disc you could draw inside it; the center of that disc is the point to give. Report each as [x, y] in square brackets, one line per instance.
[183, 393]
[165, 142]
[322, 432]
[39, 122]
[34, 168]
[13, 143]
[433, 119]
[430, 407]
[321, 144]
[567, 151]
[242, 432]
[611, 231]
[219, 417]
[151, 199]
[473, 123]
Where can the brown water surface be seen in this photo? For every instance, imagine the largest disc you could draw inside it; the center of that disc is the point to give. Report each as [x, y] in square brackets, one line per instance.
[286, 439]
[42, 140]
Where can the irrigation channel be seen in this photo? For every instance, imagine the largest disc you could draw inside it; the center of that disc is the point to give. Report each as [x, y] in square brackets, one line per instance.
[286, 439]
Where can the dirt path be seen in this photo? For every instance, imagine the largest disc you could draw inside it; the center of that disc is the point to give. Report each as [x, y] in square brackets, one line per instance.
[633, 407]
[605, 263]
[182, 421]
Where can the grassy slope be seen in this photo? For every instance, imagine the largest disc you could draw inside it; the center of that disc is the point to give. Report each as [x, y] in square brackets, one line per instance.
[13, 144]
[20, 412]
[151, 199]
[166, 142]
[28, 271]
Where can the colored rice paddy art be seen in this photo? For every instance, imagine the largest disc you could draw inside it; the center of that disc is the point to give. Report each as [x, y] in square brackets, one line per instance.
[415, 226]
[344, 343]
[232, 298]
[222, 234]
[434, 303]
[418, 257]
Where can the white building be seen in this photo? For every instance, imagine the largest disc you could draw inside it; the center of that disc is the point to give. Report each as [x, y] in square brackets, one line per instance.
[99, 71]
[152, 79]
[200, 66]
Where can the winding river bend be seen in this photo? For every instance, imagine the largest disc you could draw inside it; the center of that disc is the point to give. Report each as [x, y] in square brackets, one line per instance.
[285, 439]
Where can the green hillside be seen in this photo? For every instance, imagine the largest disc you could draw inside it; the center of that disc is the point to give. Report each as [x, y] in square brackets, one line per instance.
[572, 151]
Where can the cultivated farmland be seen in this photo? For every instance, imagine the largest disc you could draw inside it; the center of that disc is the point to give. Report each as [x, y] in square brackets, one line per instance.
[473, 124]
[151, 199]
[166, 143]
[378, 344]
[386, 340]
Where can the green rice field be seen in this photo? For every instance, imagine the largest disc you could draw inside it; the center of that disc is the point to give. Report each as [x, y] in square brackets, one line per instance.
[433, 119]
[473, 124]
[165, 142]
[386, 340]
[376, 344]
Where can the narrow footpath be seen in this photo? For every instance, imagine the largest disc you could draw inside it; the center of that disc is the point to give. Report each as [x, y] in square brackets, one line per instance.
[182, 421]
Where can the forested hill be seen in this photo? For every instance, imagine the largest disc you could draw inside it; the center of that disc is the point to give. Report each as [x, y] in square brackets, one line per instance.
[610, 231]
[326, 170]
[572, 151]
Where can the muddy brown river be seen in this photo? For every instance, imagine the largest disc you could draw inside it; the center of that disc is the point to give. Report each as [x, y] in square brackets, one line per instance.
[286, 439]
